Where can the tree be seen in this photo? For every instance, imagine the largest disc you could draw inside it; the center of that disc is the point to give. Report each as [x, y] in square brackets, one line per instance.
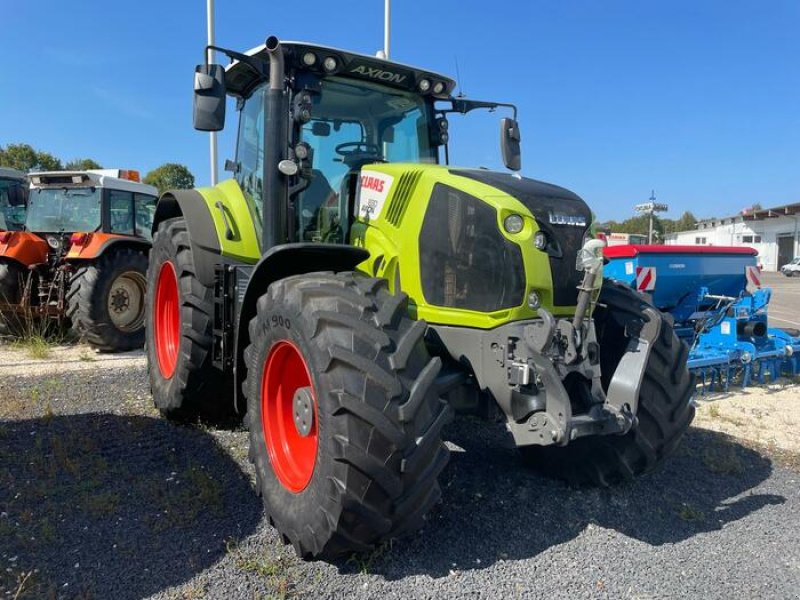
[25, 158]
[170, 176]
[82, 164]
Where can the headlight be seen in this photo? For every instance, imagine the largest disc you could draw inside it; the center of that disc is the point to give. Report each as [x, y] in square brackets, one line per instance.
[54, 242]
[513, 223]
[540, 240]
[533, 300]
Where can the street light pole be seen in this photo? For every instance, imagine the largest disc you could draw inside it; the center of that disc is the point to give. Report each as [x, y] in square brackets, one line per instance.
[210, 59]
[649, 208]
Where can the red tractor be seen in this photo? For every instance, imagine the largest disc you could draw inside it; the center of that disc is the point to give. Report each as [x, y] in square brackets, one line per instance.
[80, 260]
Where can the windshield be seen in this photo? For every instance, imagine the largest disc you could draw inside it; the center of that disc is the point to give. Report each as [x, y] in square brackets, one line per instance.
[63, 209]
[354, 123]
[12, 204]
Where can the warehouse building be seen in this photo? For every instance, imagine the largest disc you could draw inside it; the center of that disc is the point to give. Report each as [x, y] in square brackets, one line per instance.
[771, 231]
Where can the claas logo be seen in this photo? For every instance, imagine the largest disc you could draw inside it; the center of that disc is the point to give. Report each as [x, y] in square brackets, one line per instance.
[372, 183]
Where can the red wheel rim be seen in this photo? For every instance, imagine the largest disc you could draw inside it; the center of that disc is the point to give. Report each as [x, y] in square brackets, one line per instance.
[291, 454]
[167, 320]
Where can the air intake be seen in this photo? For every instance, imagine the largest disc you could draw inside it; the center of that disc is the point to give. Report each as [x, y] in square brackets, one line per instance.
[402, 195]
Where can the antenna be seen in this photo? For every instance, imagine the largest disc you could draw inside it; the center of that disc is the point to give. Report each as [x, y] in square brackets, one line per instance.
[458, 80]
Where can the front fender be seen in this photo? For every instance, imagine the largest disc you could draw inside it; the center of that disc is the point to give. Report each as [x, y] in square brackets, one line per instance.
[281, 262]
[191, 205]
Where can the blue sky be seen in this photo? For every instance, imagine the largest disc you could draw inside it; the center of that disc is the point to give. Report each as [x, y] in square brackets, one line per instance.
[699, 100]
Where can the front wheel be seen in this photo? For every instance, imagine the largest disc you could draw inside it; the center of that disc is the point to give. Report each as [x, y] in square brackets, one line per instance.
[345, 423]
[664, 412]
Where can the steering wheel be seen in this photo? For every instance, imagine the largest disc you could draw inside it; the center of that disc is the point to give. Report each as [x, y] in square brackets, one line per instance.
[349, 149]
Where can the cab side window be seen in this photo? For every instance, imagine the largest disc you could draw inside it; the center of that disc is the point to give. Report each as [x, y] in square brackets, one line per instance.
[250, 153]
[145, 210]
[120, 212]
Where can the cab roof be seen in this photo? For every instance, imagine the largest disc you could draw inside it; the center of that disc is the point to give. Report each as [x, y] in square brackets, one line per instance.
[99, 178]
[8, 173]
[240, 78]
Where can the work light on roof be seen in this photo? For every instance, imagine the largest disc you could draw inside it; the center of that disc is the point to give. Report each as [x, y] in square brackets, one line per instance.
[424, 85]
[309, 59]
[330, 64]
[438, 87]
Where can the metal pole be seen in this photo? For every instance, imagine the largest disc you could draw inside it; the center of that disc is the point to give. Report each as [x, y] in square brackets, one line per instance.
[210, 58]
[650, 235]
[387, 15]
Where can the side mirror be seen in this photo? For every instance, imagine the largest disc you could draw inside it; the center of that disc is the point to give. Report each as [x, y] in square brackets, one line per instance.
[509, 144]
[209, 98]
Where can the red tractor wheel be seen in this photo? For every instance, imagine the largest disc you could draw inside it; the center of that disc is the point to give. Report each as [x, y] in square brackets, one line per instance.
[289, 416]
[184, 383]
[345, 422]
[167, 331]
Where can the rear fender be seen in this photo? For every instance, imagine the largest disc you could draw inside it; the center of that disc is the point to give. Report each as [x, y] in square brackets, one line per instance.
[98, 243]
[25, 248]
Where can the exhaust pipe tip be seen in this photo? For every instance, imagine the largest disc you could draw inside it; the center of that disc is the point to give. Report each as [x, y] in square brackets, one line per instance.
[272, 43]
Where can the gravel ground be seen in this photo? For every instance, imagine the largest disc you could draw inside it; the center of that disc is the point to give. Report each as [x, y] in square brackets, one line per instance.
[100, 498]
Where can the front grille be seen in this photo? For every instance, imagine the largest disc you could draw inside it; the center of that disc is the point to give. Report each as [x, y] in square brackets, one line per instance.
[544, 200]
[465, 261]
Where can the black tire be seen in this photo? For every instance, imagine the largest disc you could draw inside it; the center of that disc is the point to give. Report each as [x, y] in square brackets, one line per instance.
[105, 300]
[664, 412]
[12, 277]
[195, 389]
[379, 451]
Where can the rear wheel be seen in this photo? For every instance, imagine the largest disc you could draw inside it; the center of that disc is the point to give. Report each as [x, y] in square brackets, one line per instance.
[345, 424]
[105, 300]
[664, 412]
[184, 383]
[12, 280]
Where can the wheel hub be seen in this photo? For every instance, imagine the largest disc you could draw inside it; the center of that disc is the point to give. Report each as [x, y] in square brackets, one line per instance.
[126, 301]
[120, 300]
[303, 411]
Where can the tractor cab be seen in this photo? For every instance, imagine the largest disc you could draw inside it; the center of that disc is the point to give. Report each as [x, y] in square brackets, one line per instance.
[13, 199]
[102, 201]
[345, 111]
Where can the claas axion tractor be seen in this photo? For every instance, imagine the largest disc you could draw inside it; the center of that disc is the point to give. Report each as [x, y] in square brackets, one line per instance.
[79, 261]
[347, 290]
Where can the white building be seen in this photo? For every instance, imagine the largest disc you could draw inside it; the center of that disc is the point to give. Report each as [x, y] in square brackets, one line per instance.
[771, 231]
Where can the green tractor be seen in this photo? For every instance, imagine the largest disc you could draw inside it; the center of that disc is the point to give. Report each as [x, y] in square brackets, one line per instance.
[348, 290]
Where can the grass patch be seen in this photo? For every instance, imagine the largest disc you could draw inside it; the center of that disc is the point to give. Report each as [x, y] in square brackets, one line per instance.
[181, 502]
[364, 562]
[723, 459]
[35, 346]
[690, 514]
[275, 569]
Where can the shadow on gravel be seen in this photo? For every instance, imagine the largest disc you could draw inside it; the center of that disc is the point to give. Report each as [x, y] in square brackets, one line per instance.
[495, 509]
[103, 506]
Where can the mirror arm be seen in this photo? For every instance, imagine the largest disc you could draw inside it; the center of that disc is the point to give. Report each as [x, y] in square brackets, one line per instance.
[463, 106]
[259, 66]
